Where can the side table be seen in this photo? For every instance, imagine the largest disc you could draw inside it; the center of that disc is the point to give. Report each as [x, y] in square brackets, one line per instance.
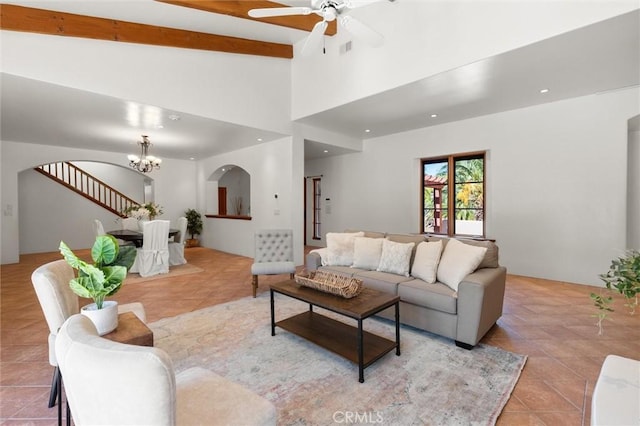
[131, 331]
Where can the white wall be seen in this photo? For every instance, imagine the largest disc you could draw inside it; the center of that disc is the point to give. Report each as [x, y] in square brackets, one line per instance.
[126, 180]
[434, 36]
[238, 184]
[273, 171]
[633, 180]
[556, 182]
[49, 213]
[175, 191]
[209, 84]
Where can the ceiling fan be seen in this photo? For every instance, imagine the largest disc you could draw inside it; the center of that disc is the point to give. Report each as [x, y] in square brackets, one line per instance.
[329, 10]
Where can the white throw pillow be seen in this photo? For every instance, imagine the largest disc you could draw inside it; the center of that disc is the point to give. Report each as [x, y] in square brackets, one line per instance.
[396, 257]
[340, 248]
[322, 252]
[425, 264]
[367, 252]
[458, 260]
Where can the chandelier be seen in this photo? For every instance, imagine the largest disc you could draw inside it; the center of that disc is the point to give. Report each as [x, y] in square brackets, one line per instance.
[145, 163]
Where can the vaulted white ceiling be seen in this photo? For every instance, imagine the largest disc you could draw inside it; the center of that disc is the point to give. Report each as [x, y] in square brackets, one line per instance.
[598, 58]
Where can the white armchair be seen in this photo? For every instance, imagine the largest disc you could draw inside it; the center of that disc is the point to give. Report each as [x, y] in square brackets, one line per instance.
[176, 247]
[153, 257]
[273, 254]
[110, 383]
[58, 302]
[98, 229]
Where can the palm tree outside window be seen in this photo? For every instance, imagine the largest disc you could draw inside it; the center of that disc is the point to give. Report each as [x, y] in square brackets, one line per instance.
[466, 173]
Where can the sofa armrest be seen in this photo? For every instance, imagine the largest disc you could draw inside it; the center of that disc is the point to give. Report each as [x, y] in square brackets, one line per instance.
[313, 260]
[480, 300]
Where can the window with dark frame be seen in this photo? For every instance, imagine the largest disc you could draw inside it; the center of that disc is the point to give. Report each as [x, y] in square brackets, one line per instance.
[465, 175]
[317, 193]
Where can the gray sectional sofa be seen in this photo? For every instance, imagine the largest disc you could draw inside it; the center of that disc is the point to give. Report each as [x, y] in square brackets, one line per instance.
[464, 315]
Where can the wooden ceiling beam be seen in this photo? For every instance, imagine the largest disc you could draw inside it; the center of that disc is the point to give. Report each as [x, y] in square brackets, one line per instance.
[240, 9]
[26, 19]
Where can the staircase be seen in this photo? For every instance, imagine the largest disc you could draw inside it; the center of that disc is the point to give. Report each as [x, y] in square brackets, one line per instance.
[88, 186]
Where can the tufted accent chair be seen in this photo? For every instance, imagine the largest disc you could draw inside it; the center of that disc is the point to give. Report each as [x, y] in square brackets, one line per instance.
[273, 255]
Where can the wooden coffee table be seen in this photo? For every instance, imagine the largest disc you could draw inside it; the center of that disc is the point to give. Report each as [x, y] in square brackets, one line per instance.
[131, 331]
[352, 343]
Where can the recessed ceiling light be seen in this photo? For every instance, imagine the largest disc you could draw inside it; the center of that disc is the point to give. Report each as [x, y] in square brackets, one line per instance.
[174, 117]
[191, 158]
[160, 126]
[325, 151]
[434, 115]
[544, 90]
[259, 139]
[367, 130]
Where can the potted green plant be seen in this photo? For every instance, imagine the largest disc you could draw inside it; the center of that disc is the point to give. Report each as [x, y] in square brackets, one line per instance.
[101, 279]
[194, 226]
[624, 277]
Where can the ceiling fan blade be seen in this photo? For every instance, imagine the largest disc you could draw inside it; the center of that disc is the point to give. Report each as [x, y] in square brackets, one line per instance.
[279, 11]
[361, 31]
[314, 39]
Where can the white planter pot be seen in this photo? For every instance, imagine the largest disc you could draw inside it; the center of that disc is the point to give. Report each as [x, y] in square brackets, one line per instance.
[105, 319]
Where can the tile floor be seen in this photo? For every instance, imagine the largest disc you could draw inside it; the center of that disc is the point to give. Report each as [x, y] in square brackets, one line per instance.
[549, 321]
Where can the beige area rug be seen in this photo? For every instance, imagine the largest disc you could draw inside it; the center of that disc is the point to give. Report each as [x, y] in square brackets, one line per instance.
[433, 382]
[174, 271]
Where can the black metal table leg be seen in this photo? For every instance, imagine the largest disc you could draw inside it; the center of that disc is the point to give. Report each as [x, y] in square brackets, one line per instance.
[360, 353]
[53, 394]
[273, 316]
[59, 383]
[398, 328]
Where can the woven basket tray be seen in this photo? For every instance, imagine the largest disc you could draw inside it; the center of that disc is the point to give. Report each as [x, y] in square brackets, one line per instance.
[339, 285]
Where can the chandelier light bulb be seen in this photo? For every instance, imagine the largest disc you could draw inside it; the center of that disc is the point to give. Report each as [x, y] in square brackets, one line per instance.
[145, 163]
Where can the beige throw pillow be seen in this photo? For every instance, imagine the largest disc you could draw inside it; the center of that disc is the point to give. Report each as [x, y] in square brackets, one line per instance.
[458, 260]
[367, 252]
[396, 257]
[340, 246]
[425, 264]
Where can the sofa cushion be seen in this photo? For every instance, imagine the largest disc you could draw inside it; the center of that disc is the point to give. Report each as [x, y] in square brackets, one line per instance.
[458, 260]
[396, 257]
[367, 252]
[432, 296]
[340, 247]
[368, 234]
[407, 238]
[425, 264]
[490, 259]
[381, 281]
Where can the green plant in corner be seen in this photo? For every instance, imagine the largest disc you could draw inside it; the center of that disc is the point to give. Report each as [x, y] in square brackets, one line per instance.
[194, 222]
[624, 277]
[105, 276]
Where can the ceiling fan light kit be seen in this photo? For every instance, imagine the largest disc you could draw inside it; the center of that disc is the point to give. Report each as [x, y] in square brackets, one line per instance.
[329, 10]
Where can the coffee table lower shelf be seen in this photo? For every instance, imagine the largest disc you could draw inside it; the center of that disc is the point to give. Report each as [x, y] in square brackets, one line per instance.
[336, 336]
